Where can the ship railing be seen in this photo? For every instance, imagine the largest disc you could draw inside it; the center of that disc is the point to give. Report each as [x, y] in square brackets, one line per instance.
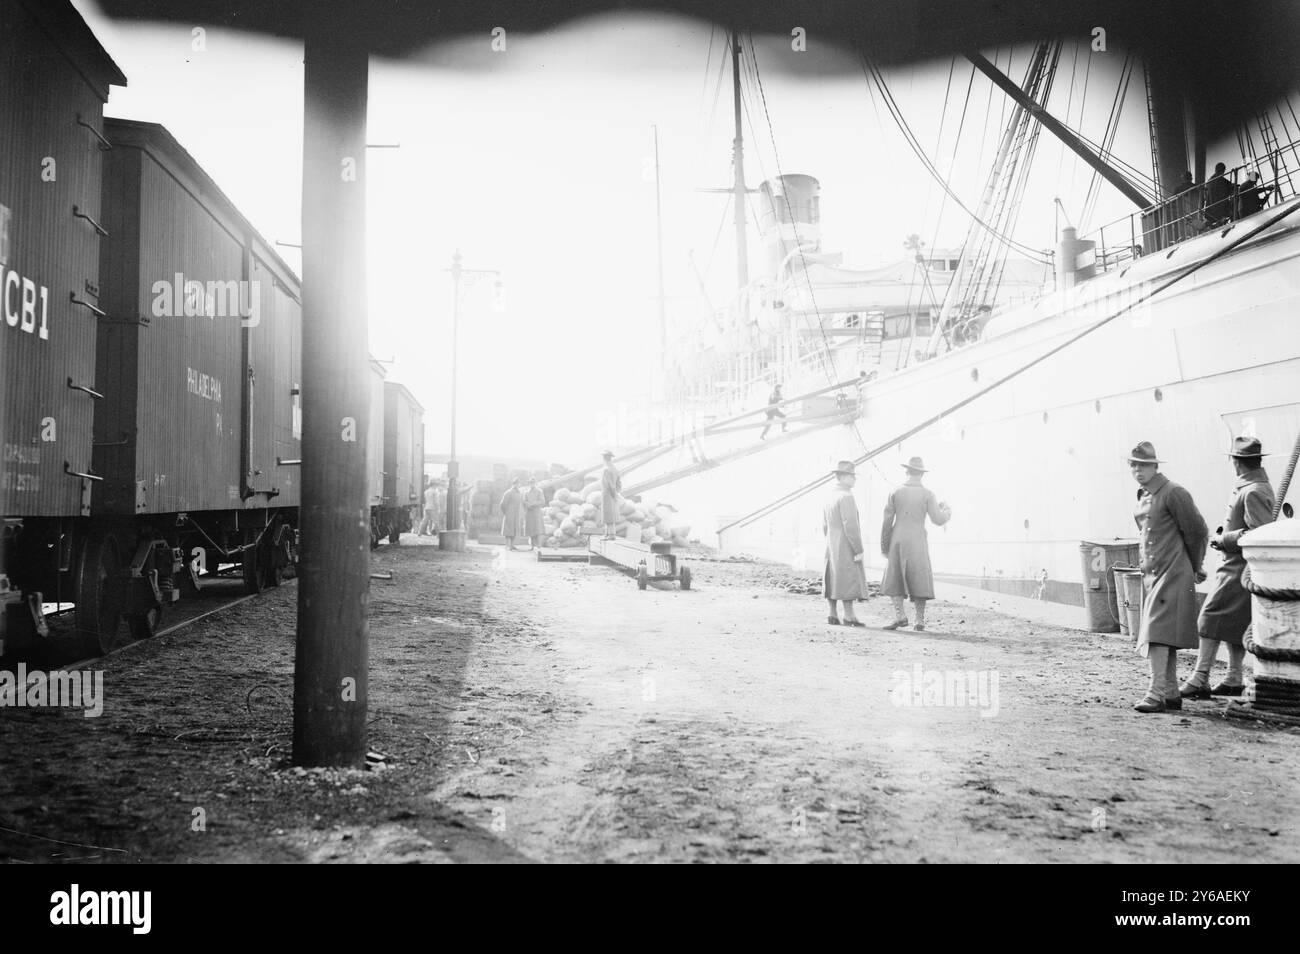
[1186, 215]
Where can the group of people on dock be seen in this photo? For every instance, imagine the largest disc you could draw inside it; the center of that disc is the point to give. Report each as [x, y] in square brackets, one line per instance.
[1172, 546]
[1173, 539]
[521, 513]
[902, 542]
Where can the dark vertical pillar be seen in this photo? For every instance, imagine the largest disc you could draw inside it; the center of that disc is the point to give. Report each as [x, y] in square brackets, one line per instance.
[330, 664]
[1168, 127]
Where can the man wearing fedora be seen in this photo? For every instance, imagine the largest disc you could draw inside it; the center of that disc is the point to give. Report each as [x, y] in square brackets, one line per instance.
[1225, 615]
[1171, 551]
[610, 484]
[903, 543]
[843, 578]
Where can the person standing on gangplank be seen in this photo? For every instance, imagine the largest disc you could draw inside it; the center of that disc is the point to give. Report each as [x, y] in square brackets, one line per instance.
[773, 412]
[610, 485]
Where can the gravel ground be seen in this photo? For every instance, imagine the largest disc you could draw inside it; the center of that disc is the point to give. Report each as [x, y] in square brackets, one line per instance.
[554, 712]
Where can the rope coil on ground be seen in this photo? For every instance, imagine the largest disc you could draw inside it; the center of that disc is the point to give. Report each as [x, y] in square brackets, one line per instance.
[1272, 693]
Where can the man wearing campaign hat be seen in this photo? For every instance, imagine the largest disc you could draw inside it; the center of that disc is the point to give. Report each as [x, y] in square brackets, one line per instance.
[904, 544]
[843, 578]
[1225, 615]
[1172, 549]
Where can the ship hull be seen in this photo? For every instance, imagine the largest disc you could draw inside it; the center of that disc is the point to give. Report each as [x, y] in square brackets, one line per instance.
[1037, 466]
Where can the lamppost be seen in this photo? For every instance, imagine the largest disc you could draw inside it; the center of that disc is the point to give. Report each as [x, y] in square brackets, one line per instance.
[454, 538]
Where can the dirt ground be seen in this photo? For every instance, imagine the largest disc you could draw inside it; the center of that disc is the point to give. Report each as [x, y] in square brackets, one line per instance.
[553, 712]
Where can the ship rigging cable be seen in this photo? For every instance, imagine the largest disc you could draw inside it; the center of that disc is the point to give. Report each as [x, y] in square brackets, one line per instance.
[871, 73]
[822, 481]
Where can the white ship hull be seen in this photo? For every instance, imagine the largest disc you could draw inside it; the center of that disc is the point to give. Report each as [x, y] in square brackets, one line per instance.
[1039, 464]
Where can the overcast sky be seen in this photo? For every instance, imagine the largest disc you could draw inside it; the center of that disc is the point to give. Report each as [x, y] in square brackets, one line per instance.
[533, 161]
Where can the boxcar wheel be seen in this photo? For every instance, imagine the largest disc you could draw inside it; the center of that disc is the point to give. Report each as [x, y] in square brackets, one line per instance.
[98, 613]
[642, 577]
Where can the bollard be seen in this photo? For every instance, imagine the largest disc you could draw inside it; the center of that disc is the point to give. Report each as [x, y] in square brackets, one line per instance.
[1273, 579]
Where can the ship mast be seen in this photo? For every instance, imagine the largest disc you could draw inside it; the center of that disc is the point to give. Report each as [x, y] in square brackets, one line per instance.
[738, 186]
[738, 190]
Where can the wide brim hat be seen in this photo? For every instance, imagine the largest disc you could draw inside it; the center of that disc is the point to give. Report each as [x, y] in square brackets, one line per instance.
[845, 467]
[1246, 447]
[916, 464]
[608, 455]
[1144, 453]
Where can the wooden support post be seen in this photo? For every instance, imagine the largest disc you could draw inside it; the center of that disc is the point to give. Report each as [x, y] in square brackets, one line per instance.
[330, 685]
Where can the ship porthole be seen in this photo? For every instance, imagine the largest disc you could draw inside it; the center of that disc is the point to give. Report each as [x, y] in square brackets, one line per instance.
[1044, 417]
[1160, 395]
[974, 374]
[1096, 406]
[963, 434]
[1026, 523]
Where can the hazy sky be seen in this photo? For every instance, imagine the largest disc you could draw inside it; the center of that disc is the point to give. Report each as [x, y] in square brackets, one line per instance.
[533, 161]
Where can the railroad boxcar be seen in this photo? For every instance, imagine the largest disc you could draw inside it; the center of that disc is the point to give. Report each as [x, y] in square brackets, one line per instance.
[375, 455]
[150, 361]
[54, 81]
[199, 367]
[403, 459]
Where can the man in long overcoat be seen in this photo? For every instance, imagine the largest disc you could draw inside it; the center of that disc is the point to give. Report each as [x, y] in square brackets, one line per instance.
[1171, 549]
[842, 578]
[904, 543]
[534, 501]
[610, 485]
[1225, 615]
[512, 511]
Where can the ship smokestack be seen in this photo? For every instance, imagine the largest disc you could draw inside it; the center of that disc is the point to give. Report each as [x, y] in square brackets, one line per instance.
[1076, 258]
[789, 217]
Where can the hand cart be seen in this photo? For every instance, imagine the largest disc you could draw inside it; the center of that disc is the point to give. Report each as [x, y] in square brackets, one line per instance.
[645, 561]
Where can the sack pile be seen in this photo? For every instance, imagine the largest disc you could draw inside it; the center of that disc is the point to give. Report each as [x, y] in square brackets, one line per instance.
[574, 514]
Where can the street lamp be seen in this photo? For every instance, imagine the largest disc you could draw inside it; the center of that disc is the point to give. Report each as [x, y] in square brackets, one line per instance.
[454, 539]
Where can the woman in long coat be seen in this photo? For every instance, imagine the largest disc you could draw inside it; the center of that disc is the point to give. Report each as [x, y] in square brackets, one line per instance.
[1171, 551]
[534, 501]
[905, 544]
[512, 509]
[1225, 614]
[842, 578]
